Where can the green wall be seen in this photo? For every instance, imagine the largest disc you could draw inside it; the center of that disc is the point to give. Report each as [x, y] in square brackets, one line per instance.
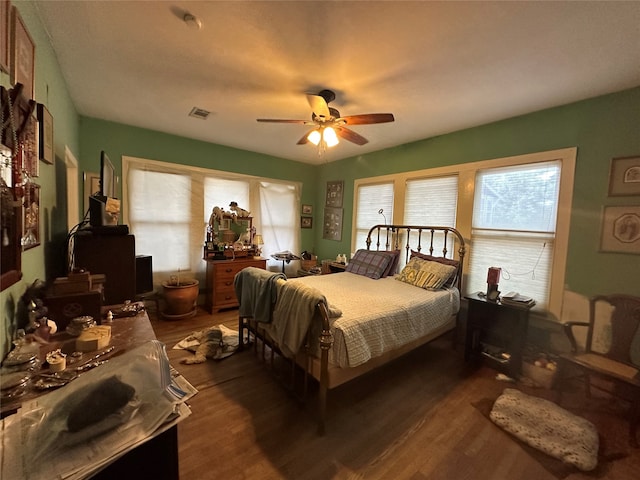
[601, 128]
[51, 90]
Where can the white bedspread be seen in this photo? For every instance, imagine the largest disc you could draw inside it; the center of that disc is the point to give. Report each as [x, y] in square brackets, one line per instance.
[379, 315]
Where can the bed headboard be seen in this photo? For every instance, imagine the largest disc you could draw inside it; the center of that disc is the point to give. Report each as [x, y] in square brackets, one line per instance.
[433, 240]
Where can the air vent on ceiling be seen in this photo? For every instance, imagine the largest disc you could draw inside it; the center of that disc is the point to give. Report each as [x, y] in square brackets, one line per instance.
[199, 113]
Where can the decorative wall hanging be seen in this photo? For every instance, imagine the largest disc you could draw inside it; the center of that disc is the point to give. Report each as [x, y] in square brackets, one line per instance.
[307, 210]
[332, 226]
[30, 165]
[306, 222]
[23, 54]
[624, 176]
[45, 135]
[334, 193]
[621, 229]
[31, 217]
[5, 14]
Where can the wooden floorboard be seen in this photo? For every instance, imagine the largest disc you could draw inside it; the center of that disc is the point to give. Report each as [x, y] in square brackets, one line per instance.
[414, 419]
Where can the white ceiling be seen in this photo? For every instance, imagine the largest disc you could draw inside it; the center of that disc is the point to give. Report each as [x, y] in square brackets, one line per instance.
[437, 66]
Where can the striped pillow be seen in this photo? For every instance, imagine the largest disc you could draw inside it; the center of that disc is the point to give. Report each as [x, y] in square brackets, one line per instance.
[426, 274]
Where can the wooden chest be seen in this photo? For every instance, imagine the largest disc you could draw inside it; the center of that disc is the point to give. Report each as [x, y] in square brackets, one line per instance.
[220, 275]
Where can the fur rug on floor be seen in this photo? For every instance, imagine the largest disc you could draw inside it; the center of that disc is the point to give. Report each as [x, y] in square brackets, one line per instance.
[215, 342]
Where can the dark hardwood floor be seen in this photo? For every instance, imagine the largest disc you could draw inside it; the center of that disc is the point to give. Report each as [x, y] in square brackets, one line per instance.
[418, 418]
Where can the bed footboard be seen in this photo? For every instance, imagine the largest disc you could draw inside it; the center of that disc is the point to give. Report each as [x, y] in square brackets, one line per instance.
[302, 360]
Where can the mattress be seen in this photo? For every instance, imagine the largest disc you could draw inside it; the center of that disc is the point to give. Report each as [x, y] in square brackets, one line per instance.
[379, 315]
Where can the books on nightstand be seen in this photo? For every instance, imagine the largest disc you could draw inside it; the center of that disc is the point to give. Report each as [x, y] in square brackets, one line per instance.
[514, 298]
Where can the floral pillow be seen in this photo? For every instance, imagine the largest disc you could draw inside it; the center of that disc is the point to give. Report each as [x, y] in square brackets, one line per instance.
[426, 274]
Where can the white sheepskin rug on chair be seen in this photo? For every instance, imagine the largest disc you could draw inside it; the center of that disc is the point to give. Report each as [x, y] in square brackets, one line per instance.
[216, 343]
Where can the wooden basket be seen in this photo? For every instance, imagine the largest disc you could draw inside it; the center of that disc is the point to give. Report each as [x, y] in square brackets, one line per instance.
[308, 264]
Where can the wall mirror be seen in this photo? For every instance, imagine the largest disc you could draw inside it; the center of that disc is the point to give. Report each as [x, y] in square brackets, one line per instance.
[230, 229]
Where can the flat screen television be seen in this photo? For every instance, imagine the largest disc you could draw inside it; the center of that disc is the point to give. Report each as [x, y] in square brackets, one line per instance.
[104, 207]
[107, 177]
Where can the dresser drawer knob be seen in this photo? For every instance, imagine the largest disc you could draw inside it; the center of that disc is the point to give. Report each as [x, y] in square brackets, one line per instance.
[229, 270]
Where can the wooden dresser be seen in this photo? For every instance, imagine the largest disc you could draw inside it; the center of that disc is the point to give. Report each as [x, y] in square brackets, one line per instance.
[220, 275]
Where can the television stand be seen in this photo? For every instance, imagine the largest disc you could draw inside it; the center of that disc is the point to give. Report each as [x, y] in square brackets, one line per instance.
[109, 230]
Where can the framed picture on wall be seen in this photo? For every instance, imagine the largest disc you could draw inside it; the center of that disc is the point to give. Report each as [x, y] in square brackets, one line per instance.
[334, 193]
[306, 222]
[23, 54]
[624, 176]
[91, 187]
[307, 210]
[332, 226]
[621, 229]
[5, 14]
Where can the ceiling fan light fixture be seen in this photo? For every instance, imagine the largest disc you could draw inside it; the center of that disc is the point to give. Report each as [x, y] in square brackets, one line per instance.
[314, 137]
[329, 136]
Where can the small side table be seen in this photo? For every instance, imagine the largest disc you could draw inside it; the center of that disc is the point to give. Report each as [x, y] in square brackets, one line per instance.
[285, 257]
[496, 334]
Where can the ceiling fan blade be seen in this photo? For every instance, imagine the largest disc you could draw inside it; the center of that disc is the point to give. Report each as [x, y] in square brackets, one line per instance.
[350, 135]
[275, 120]
[368, 118]
[318, 105]
[304, 140]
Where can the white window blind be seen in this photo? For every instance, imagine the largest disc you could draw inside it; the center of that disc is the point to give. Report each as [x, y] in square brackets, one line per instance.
[168, 208]
[372, 198]
[220, 192]
[432, 201]
[159, 207]
[280, 224]
[514, 226]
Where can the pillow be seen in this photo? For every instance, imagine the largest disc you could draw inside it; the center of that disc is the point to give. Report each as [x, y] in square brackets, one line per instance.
[369, 263]
[447, 261]
[393, 263]
[426, 274]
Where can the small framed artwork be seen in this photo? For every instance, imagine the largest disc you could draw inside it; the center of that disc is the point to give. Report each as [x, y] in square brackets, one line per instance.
[23, 54]
[334, 194]
[624, 176]
[332, 226]
[306, 222]
[45, 135]
[91, 187]
[307, 210]
[621, 229]
[31, 216]
[5, 13]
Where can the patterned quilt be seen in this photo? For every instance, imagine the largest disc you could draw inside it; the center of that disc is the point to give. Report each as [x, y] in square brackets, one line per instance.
[379, 315]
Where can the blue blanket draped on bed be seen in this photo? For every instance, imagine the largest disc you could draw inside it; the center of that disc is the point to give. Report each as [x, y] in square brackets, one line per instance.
[256, 291]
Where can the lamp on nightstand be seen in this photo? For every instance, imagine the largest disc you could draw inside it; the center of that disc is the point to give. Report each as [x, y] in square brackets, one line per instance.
[258, 241]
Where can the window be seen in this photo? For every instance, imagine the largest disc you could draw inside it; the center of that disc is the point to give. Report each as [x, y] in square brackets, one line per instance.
[514, 213]
[514, 223]
[374, 206]
[432, 201]
[168, 206]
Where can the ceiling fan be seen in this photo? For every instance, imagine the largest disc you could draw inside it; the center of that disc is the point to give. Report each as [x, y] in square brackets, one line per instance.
[328, 124]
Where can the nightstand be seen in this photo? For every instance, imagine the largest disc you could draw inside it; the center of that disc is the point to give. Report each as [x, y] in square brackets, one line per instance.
[496, 334]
